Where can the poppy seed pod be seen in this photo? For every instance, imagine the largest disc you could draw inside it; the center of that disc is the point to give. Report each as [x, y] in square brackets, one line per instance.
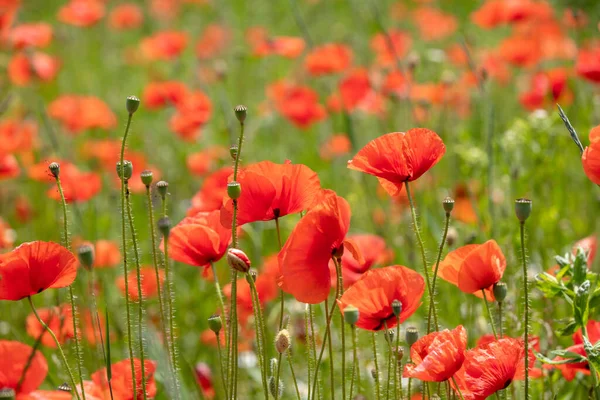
[252, 274]
[85, 253]
[523, 209]
[396, 307]
[351, 314]
[162, 187]
[412, 335]
[164, 226]
[282, 341]
[132, 104]
[215, 323]
[233, 152]
[7, 394]
[234, 190]
[54, 169]
[238, 260]
[240, 113]
[65, 387]
[146, 176]
[448, 204]
[125, 171]
[500, 291]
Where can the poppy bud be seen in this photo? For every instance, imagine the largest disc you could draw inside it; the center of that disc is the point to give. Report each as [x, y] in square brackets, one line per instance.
[399, 354]
[522, 209]
[500, 291]
[126, 170]
[54, 169]
[233, 152]
[412, 335]
[351, 315]
[7, 394]
[373, 373]
[452, 236]
[273, 365]
[164, 226]
[215, 323]
[396, 307]
[64, 388]
[234, 190]
[162, 187]
[252, 274]
[85, 252]
[282, 341]
[448, 204]
[240, 113]
[147, 176]
[389, 336]
[275, 388]
[238, 260]
[132, 103]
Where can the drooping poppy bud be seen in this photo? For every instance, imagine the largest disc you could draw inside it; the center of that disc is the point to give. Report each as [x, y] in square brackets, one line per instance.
[238, 260]
[132, 104]
[389, 336]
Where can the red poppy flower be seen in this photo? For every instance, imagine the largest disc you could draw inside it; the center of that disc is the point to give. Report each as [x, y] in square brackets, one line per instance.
[202, 162]
[337, 145]
[81, 13]
[549, 87]
[398, 157]
[388, 55]
[214, 189]
[298, 104]
[192, 113]
[328, 59]
[374, 293]
[149, 285]
[304, 259]
[31, 35]
[23, 68]
[589, 245]
[77, 186]
[9, 168]
[591, 156]
[13, 359]
[271, 191]
[588, 64]
[463, 206]
[534, 344]
[474, 267]
[437, 356]
[569, 371]
[373, 251]
[106, 254]
[78, 113]
[213, 41]
[126, 16]
[490, 368]
[434, 24]
[165, 45]
[263, 45]
[34, 267]
[355, 88]
[521, 51]
[593, 331]
[199, 240]
[60, 321]
[160, 94]
[17, 135]
[122, 386]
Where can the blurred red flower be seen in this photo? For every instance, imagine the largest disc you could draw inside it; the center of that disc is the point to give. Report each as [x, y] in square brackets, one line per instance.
[13, 359]
[161, 94]
[192, 113]
[298, 104]
[81, 13]
[38, 34]
[591, 156]
[23, 68]
[328, 59]
[213, 41]
[79, 113]
[122, 385]
[214, 190]
[164, 46]
[389, 53]
[9, 168]
[126, 16]
[150, 287]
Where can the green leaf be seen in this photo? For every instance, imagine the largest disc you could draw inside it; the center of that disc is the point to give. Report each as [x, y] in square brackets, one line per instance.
[545, 360]
[568, 329]
[549, 285]
[579, 267]
[593, 355]
[581, 305]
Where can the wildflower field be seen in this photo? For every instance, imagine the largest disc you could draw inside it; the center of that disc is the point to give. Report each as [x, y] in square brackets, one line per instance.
[299, 199]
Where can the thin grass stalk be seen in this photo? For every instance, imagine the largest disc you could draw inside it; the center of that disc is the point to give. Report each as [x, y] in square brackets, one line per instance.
[355, 367]
[289, 357]
[435, 273]
[67, 243]
[36, 345]
[313, 350]
[328, 316]
[500, 319]
[308, 345]
[491, 317]
[457, 389]
[223, 378]
[327, 333]
[339, 291]
[58, 346]
[170, 299]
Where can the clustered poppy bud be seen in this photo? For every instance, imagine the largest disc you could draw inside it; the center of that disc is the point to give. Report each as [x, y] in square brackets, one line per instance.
[412, 335]
[233, 152]
[523, 209]
[65, 387]
[238, 260]
[448, 204]
[147, 176]
[7, 394]
[215, 323]
[396, 307]
[282, 341]
[125, 171]
[252, 274]
[351, 315]
[234, 190]
[240, 113]
[500, 291]
[85, 252]
[54, 169]
[162, 187]
[132, 103]
[164, 226]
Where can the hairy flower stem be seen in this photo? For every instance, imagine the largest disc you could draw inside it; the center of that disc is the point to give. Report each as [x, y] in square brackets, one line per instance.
[218, 287]
[67, 243]
[289, 357]
[422, 248]
[60, 350]
[136, 255]
[491, 317]
[389, 366]
[223, 378]
[435, 273]
[500, 311]
[328, 315]
[156, 265]
[457, 388]
[355, 367]
[260, 336]
[376, 373]
[397, 388]
[339, 291]
[313, 350]
[526, 311]
[327, 333]
[281, 303]
[124, 249]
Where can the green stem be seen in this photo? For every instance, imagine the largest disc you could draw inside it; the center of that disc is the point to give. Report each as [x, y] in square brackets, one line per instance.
[500, 320]
[389, 366]
[58, 346]
[376, 373]
[71, 294]
[277, 384]
[260, 334]
[218, 287]
[313, 350]
[339, 291]
[224, 381]
[327, 333]
[355, 367]
[289, 357]
[457, 388]
[396, 388]
[526, 311]
[124, 249]
[435, 273]
[281, 302]
[308, 343]
[487, 307]
[421, 247]
[329, 315]
[170, 295]
[136, 254]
